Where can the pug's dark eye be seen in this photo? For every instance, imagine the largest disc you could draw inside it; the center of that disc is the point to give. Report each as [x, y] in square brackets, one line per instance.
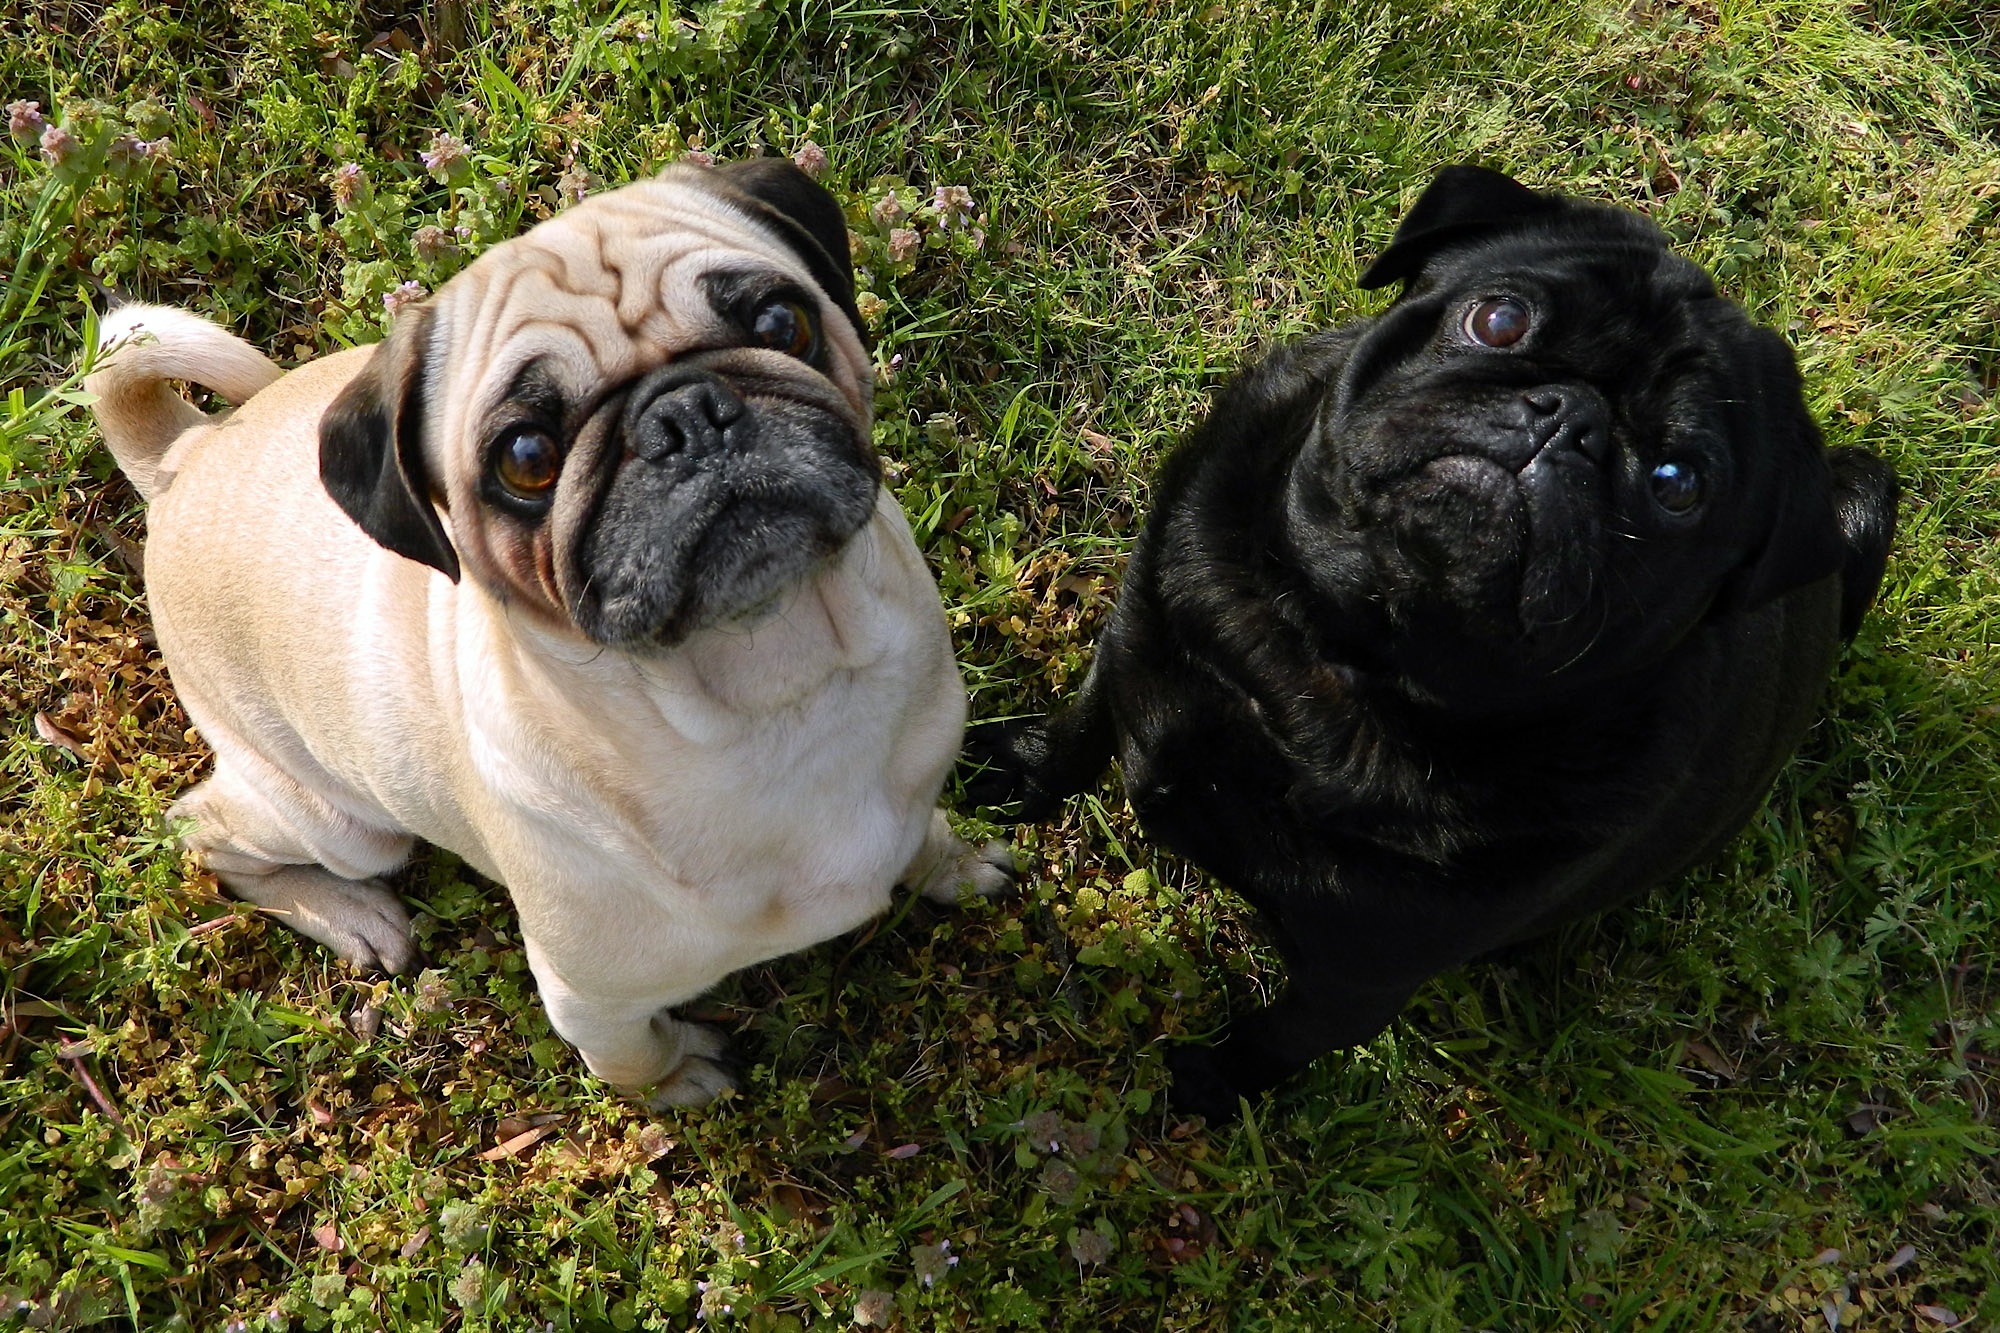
[785, 325]
[1497, 322]
[1676, 487]
[527, 464]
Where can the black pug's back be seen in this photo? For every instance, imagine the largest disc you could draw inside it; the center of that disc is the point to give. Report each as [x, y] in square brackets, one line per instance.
[1460, 622]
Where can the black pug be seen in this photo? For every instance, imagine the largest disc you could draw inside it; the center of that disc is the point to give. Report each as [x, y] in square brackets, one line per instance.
[1470, 619]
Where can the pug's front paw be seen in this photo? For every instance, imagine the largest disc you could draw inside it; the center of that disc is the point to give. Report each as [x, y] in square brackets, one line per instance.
[361, 920]
[703, 1074]
[995, 767]
[1200, 1087]
[985, 872]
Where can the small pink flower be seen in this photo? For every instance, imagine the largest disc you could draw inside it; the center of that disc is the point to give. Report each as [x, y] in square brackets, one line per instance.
[446, 153]
[931, 1261]
[350, 184]
[25, 120]
[811, 159]
[431, 243]
[888, 210]
[129, 150]
[953, 204]
[405, 294]
[978, 238]
[574, 183]
[903, 244]
[58, 145]
[699, 157]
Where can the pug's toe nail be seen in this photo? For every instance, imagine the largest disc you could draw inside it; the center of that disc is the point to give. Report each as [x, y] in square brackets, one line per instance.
[396, 956]
[989, 881]
[995, 872]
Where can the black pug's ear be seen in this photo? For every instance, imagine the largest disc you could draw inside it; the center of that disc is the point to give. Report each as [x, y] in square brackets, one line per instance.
[371, 449]
[1801, 542]
[804, 214]
[1459, 202]
[1803, 545]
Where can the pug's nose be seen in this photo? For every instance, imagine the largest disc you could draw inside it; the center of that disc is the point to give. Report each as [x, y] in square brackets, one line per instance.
[1572, 418]
[682, 411]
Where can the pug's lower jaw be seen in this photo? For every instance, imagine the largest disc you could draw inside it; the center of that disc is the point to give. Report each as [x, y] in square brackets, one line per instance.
[1482, 615]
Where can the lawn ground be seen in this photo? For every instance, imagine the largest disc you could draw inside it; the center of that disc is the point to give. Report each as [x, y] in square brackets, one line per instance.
[1764, 1099]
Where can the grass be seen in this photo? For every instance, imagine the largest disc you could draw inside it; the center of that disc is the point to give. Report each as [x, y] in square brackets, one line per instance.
[1765, 1099]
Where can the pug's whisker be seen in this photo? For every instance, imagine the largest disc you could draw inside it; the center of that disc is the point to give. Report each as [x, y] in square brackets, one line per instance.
[1596, 635]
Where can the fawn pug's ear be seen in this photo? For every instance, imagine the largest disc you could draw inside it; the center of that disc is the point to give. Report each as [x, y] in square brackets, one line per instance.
[801, 211]
[371, 449]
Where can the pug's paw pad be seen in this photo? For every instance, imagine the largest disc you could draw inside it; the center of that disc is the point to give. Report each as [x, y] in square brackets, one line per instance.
[985, 872]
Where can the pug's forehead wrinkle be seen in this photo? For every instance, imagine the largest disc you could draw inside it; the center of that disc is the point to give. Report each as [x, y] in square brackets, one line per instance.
[536, 297]
[660, 309]
[618, 248]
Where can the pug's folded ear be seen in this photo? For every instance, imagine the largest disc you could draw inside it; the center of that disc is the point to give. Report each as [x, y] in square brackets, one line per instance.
[804, 214]
[371, 451]
[1802, 541]
[1802, 545]
[1460, 202]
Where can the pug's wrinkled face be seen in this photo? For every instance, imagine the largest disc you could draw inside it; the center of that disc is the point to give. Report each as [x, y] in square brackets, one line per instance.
[647, 416]
[1555, 454]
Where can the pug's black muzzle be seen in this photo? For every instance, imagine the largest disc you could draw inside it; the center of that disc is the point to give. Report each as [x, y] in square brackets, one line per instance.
[717, 502]
[688, 411]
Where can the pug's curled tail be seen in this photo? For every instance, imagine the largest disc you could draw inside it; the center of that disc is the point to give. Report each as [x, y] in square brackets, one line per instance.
[142, 348]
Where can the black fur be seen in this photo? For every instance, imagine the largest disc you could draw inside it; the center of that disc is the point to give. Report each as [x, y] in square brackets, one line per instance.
[1409, 654]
